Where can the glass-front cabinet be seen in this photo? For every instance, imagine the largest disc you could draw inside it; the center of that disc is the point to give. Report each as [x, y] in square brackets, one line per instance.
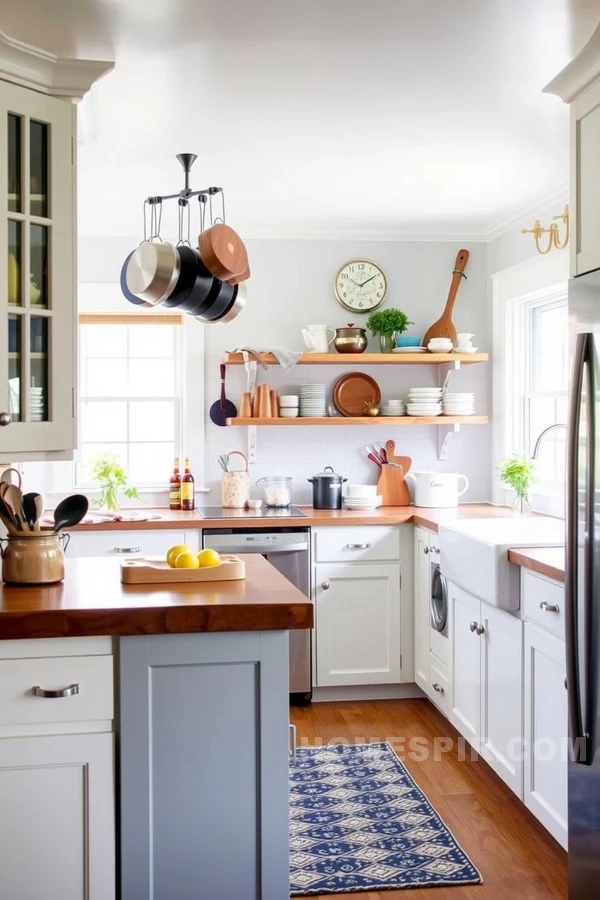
[37, 294]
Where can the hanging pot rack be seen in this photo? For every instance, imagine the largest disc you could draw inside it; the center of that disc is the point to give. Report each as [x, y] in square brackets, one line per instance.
[183, 197]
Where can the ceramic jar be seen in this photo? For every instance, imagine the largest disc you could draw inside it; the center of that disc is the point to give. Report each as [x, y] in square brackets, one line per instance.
[35, 557]
[350, 339]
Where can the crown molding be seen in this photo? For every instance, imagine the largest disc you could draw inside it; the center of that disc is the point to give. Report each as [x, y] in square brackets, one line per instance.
[579, 73]
[533, 207]
[39, 70]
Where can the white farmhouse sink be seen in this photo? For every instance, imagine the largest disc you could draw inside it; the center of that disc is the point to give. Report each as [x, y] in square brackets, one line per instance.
[473, 554]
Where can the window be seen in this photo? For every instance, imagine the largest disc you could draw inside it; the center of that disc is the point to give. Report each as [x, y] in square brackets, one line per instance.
[129, 395]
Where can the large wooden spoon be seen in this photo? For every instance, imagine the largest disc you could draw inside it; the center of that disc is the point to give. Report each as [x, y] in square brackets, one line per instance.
[444, 327]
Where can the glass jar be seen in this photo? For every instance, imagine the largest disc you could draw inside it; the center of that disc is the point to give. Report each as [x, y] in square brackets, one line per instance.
[35, 557]
[277, 491]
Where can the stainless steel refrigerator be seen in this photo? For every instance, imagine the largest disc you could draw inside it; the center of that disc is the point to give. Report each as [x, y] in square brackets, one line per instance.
[582, 593]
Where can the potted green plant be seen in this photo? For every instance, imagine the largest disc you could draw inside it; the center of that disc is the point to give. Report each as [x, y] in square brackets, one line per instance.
[387, 323]
[518, 472]
[108, 472]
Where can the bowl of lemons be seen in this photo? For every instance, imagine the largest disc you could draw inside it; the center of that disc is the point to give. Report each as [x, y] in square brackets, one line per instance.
[181, 557]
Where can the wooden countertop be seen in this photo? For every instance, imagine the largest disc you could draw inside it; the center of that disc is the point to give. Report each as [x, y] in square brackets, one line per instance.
[93, 601]
[385, 515]
[549, 561]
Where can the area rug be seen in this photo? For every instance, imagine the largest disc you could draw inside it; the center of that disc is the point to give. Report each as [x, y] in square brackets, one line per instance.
[358, 822]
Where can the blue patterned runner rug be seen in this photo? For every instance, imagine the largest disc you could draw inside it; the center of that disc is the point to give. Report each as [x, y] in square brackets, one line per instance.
[358, 822]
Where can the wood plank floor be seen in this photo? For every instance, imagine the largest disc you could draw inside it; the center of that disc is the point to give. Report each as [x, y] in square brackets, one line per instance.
[517, 858]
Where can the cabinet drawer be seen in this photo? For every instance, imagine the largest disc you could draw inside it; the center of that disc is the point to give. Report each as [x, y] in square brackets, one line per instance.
[439, 684]
[540, 599]
[92, 674]
[126, 543]
[372, 543]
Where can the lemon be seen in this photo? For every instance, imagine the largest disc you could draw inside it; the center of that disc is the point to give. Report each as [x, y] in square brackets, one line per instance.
[187, 560]
[173, 553]
[208, 558]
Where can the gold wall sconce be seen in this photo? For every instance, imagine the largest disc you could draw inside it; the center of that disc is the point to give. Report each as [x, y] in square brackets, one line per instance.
[553, 231]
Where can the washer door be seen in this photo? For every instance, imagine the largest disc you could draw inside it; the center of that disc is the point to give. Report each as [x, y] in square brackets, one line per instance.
[439, 600]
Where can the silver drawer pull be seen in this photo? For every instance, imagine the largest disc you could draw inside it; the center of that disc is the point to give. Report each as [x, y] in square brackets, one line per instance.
[434, 549]
[294, 745]
[325, 585]
[425, 550]
[127, 549]
[480, 629]
[549, 607]
[358, 546]
[437, 687]
[473, 625]
[38, 691]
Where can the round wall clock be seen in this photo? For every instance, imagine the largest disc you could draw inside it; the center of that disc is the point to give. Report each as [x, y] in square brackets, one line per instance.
[360, 286]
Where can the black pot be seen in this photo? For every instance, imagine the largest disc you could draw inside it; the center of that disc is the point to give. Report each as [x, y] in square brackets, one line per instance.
[327, 489]
[195, 288]
[221, 302]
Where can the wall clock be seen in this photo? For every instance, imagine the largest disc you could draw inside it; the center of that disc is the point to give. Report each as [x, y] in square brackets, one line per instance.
[360, 286]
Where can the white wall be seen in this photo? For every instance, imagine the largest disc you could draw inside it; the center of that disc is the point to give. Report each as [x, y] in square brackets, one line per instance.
[292, 286]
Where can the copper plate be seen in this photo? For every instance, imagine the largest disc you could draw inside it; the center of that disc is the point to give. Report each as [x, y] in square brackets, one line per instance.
[353, 391]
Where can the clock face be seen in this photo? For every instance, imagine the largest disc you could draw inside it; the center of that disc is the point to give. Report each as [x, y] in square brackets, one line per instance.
[360, 286]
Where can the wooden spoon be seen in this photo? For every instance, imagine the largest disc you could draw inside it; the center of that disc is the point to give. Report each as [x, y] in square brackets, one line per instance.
[444, 327]
[13, 501]
[5, 478]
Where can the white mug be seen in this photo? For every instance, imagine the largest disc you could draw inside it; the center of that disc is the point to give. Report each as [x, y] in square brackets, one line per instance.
[464, 340]
[317, 338]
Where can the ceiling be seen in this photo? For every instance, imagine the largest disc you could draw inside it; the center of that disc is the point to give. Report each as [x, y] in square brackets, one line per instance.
[374, 118]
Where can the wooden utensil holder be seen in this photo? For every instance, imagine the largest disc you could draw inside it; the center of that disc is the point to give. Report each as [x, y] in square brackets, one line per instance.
[35, 557]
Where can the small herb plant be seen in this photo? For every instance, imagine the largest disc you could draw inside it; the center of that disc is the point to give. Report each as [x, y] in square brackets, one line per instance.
[388, 321]
[112, 478]
[518, 472]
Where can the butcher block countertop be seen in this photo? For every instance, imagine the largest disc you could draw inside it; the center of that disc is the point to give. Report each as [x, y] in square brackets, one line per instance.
[385, 515]
[93, 601]
[549, 561]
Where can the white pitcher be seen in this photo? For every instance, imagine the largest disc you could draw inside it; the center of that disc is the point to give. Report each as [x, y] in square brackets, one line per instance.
[437, 489]
[318, 338]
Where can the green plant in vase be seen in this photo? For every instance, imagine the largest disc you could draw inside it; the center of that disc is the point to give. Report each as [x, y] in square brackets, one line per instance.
[110, 475]
[387, 323]
[518, 472]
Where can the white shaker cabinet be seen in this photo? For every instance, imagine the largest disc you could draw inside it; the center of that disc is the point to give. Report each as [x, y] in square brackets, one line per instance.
[422, 591]
[465, 706]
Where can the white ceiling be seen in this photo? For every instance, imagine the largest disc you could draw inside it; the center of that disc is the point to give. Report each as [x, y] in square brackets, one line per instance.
[339, 117]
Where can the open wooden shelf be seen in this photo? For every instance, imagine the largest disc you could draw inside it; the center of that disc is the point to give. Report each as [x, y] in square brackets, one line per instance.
[367, 359]
[366, 420]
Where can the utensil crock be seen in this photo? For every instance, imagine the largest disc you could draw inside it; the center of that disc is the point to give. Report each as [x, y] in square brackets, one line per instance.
[36, 557]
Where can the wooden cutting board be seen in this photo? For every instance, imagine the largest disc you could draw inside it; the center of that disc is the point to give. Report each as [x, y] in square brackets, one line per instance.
[392, 485]
[444, 327]
[154, 570]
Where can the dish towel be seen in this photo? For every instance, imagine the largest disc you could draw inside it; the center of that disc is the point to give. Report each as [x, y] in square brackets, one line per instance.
[287, 359]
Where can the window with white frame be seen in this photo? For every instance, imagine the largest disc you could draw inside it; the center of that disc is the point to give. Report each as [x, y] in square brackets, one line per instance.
[130, 395]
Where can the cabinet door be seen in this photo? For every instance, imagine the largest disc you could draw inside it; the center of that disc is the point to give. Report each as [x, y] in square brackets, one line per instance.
[502, 693]
[422, 584]
[585, 187]
[465, 709]
[545, 732]
[57, 827]
[37, 271]
[358, 624]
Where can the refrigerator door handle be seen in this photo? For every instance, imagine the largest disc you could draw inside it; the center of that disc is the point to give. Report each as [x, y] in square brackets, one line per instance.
[590, 704]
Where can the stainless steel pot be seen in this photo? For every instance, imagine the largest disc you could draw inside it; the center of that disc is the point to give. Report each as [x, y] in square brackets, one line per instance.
[152, 271]
[327, 489]
[235, 307]
[350, 339]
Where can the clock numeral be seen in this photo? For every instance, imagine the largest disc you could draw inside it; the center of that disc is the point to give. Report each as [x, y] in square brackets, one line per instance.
[379, 295]
[361, 304]
[345, 294]
[352, 268]
[381, 286]
[361, 267]
[345, 275]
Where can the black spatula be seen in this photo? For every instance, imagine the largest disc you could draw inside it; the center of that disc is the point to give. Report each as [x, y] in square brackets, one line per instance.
[222, 408]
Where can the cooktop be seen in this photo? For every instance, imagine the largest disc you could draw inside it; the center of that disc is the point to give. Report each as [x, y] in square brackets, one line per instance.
[265, 512]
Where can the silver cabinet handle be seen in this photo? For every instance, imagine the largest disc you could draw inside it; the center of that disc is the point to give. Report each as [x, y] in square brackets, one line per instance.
[293, 744]
[325, 585]
[5, 419]
[437, 687]
[434, 549]
[127, 549]
[38, 691]
[480, 629]
[358, 546]
[426, 550]
[549, 607]
[473, 625]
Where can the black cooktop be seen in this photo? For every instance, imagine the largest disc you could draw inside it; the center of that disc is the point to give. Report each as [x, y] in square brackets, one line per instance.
[265, 512]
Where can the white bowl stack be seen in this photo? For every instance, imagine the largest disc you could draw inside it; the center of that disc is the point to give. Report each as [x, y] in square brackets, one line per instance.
[313, 401]
[424, 402]
[394, 407]
[458, 404]
[36, 403]
[362, 496]
[288, 406]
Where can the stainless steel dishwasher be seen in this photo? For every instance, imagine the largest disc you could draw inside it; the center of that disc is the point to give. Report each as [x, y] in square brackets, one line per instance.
[288, 550]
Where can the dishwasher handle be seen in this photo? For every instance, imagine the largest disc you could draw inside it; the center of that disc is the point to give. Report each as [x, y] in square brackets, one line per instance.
[271, 549]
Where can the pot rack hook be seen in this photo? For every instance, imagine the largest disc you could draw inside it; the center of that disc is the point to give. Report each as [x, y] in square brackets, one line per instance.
[182, 206]
[202, 198]
[187, 160]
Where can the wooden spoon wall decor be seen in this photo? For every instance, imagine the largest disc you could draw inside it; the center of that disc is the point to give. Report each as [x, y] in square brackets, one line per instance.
[444, 327]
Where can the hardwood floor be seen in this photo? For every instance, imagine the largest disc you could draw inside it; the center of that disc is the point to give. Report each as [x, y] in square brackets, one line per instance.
[517, 858]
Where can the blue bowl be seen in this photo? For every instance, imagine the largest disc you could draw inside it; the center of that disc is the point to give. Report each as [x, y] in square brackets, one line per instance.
[404, 340]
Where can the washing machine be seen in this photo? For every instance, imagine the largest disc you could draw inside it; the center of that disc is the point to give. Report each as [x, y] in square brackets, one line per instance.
[439, 615]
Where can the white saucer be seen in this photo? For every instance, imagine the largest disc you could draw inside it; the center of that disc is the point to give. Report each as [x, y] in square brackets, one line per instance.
[465, 350]
[410, 350]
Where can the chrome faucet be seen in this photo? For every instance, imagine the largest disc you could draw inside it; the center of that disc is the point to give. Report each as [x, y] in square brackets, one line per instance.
[543, 434]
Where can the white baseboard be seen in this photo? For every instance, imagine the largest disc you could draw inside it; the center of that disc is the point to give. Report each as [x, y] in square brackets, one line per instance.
[368, 692]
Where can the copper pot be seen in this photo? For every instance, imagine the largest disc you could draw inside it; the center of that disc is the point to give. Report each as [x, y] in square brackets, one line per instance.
[350, 339]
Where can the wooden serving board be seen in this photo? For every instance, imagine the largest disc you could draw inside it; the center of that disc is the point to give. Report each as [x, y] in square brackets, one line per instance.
[154, 570]
[392, 486]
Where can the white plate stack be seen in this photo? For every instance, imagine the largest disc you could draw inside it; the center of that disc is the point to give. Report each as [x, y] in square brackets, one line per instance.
[459, 404]
[424, 402]
[36, 403]
[313, 402]
[365, 503]
[393, 408]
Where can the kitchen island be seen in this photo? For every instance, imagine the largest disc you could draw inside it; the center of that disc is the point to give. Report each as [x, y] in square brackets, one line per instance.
[195, 679]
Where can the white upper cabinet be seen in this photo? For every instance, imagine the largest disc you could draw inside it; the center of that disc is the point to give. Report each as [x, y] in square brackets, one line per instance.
[579, 85]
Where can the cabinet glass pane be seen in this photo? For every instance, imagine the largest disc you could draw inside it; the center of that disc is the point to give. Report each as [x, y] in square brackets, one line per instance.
[14, 163]
[38, 287]
[38, 386]
[15, 247]
[38, 169]
[14, 366]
